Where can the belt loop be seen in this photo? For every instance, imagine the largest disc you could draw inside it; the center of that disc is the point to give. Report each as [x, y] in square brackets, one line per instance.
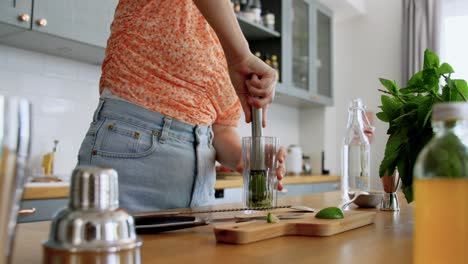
[165, 129]
[211, 135]
[98, 110]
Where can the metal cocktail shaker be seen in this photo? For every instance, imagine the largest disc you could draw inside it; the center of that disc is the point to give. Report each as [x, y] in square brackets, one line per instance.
[93, 229]
[15, 139]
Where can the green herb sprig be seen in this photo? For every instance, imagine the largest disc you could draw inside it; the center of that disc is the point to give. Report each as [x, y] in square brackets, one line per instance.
[259, 195]
[408, 111]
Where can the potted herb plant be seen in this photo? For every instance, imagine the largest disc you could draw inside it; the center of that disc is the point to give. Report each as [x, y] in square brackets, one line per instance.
[408, 112]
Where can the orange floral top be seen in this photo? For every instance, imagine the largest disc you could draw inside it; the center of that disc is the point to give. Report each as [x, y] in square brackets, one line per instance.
[163, 55]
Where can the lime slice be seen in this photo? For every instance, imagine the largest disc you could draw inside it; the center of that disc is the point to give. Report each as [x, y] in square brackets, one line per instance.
[271, 218]
[330, 213]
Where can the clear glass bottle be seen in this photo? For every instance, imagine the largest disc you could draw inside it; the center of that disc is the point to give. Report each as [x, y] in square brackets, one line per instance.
[441, 189]
[355, 153]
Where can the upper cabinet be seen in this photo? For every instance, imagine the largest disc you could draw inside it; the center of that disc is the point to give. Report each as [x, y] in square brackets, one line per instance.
[323, 91]
[15, 16]
[68, 28]
[297, 42]
[301, 48]
[86, 21]
[307, 54]
[302, 43]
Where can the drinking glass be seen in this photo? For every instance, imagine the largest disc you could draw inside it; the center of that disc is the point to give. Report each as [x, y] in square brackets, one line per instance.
[260, 182]
[15, 139]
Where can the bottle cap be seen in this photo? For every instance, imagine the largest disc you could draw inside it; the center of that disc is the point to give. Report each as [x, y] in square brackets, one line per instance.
[356, 103]
[450, 111]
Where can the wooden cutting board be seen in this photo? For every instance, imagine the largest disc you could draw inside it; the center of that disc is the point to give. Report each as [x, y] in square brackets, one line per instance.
[248, 232]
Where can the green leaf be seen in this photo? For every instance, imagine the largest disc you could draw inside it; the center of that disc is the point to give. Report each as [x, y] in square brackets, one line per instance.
[390, 106]
[391, 153]
[461, 89]
[383, 117]
[431, 60]
[446, 93]
[431, 79]
[445, 68]
[392, 129]
[427, 118]
[391, 86]
[405, 170]
[408, 192]
[388, 164]
[424, 110]
[405, 119]
[416, 80]
[413, 89]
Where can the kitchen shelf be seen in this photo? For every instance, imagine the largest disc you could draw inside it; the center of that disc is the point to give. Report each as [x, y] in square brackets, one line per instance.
[253, 31]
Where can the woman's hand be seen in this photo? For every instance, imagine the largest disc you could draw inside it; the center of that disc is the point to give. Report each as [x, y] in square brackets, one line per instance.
[243, 65]
[254, 82]
[281, 169]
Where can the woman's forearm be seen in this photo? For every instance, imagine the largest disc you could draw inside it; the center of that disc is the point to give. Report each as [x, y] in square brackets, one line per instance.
[228, 147]
[222, 19]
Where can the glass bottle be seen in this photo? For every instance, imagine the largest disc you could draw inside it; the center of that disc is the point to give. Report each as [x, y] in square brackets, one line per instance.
[441, 189]
[355, 153]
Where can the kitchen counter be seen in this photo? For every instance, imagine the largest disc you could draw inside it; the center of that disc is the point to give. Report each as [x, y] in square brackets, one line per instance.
[35, 191]
[389, 240]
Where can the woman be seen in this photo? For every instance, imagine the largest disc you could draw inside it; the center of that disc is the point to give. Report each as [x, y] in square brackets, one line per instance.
[175, 76]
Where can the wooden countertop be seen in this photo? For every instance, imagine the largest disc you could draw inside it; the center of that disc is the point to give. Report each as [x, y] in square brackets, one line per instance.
[389, 240]
[60, 190]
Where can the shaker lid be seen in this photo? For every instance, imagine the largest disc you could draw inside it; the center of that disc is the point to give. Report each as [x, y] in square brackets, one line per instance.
[450, 111]
[94, 188]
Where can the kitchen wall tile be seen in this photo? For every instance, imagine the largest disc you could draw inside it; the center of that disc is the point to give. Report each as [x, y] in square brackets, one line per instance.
[90, 73]
[61, 68]
[22, 61]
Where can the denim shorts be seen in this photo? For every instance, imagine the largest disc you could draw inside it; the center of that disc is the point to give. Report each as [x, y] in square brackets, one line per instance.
[162, 163]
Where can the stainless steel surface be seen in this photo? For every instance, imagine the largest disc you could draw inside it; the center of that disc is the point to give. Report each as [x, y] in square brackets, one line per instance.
[162, 223]
[93, 223]
[257, 156]
[391, 184]
[92, 231]
[152, 224]
[251, 218]
[213, 211]
[257, 114]
[94, 188]
[302, 208]
[390, 202]
[15, 136]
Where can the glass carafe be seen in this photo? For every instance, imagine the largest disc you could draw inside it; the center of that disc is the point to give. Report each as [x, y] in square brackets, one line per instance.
[441, 189]
[355, 153]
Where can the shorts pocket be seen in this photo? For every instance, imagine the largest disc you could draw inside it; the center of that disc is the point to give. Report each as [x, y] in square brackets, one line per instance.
[119, 139]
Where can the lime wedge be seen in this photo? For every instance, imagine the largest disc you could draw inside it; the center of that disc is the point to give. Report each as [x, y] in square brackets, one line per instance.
[271, 218]
[330, 213]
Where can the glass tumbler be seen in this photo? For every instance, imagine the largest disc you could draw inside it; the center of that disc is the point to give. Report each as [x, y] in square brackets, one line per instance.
[15, 142]
[260, 182]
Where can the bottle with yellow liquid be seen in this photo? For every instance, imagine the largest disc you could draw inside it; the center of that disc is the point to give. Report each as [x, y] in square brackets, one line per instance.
[441, 189]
